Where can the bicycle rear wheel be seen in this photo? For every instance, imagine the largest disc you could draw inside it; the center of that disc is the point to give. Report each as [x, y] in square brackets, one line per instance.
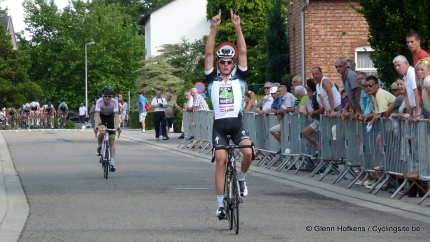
[106, 161]
[235, 204]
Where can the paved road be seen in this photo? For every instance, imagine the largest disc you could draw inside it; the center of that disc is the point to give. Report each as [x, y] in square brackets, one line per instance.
[162, 195]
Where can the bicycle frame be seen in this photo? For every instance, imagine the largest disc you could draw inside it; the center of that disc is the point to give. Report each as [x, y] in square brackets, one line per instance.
[105, 153]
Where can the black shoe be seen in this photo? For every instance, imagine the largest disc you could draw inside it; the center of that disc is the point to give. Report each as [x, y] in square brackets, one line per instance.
[191, 137]
[182, 136]
[112, 168]
[220, 213]
[243, 188]
[165, 138]
[98, 150]
[279, 152]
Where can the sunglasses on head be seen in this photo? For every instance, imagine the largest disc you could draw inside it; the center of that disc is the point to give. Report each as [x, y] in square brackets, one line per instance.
[224, 62]
[109, 96]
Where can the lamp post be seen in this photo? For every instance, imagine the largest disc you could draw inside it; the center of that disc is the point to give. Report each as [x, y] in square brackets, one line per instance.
[86, 76]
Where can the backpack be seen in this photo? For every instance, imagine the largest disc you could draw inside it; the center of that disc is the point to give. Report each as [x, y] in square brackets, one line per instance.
[148, 106]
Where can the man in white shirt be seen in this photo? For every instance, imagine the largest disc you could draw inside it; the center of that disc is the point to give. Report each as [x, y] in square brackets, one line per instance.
[82, 115]
[266, 102]
[159, 104]
[402, 67]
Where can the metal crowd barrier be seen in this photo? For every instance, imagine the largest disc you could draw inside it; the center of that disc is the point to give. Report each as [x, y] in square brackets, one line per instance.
[388, 148]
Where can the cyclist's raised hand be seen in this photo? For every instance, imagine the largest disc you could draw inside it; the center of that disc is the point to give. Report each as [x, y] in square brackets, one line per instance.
[234, 18]
[216, 20]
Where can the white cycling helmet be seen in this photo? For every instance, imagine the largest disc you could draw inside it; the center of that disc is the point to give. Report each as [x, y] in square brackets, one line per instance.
[226, 50]
[33, 104]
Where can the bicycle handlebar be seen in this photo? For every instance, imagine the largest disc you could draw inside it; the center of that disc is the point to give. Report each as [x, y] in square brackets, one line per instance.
[228, 147]
[105, 129]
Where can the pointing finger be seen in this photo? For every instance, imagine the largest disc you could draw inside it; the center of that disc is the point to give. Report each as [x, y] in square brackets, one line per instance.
[231, 12]
[219, 13]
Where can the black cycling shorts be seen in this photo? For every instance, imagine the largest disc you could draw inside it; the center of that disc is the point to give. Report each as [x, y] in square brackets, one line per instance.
[110, 121]
[227, 129]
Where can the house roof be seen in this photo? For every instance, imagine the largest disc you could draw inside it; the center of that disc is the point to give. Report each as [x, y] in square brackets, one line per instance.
[143, 18]
[5, 21]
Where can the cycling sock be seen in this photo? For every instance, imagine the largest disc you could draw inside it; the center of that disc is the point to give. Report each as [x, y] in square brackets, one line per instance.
[99, 145]
[112, 161]
[241, 176]
[220, 199]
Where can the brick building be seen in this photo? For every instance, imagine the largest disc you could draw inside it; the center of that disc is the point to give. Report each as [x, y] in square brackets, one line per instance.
[331, 29]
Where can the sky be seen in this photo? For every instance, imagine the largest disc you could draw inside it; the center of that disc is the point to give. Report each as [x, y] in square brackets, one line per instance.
[16, 10]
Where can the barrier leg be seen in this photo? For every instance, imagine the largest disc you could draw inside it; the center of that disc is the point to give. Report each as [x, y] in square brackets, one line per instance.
[385, 181]
[400, 188]
[356, 178]
[424, 197]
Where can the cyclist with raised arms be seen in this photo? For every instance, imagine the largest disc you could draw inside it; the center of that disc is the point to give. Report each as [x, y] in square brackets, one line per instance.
[63, 109]
[107, 110]
[227, 90]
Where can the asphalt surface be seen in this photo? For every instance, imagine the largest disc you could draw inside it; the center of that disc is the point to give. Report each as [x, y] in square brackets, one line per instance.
[161, 193]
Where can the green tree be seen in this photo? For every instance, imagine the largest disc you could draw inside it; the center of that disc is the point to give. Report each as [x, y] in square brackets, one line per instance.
[188, 57]
[389, 22]
[157, 74]
[57, 48]
[277, 44]
[3, 12]
[14, 80]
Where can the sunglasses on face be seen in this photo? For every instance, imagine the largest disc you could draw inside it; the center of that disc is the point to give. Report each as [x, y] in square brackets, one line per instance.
[339, 66]
[107, 96]
[369, 85]
[224, 62]
[266, 87]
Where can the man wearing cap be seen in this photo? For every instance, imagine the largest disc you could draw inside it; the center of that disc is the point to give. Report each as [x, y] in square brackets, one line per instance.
[227, 91]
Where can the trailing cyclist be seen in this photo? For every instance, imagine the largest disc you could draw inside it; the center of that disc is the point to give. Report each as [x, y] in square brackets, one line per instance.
[49, 112]
[62, 110]
[12, 115]
[107, 110]
[227, 92]
[25, 114]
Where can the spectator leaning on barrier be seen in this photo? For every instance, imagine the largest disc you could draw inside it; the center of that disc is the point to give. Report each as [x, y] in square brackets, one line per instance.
[314, 111]
[168, 111]
[422, 68]
[248, 105]
[402, 67]
[296, 81]
[349, 80]
[276, 101]
[286, 105]
[301, 94]
[199, 103]
[266, 102]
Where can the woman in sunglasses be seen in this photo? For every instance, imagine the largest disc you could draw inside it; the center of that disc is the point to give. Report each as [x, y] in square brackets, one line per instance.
[107, 110]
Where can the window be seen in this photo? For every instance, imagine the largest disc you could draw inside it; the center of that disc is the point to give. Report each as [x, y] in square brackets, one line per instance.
[364, 63]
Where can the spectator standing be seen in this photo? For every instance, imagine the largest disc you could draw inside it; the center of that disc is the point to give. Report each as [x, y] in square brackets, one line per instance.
[413, 40]
[82, 116]
[327, 95]
[92, 113]
[159, 104]
[141, 108]
[168, 111]
[125, 112]
[351, 64]
[422, 68]
[189, 103]
[402, 67]
[248, 105]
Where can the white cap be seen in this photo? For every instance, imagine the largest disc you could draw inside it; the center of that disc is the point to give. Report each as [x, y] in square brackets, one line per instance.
[273, 89]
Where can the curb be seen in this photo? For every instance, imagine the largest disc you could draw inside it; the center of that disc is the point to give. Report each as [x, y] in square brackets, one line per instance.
[14, 208]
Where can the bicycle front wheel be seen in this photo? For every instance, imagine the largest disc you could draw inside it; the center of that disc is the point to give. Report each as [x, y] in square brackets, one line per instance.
[235, 204]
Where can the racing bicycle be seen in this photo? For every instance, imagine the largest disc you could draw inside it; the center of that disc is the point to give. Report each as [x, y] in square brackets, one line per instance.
[105, 151]
[232, 198]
